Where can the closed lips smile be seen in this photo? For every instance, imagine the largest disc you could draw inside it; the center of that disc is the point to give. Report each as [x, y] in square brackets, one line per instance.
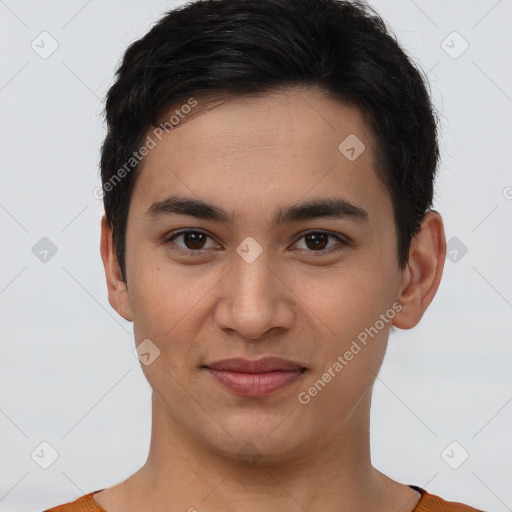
[258, 378]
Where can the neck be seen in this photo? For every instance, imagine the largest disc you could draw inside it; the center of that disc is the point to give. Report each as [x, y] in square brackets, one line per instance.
[191, 476]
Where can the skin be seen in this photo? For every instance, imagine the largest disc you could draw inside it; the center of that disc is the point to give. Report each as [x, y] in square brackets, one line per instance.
[250, 157]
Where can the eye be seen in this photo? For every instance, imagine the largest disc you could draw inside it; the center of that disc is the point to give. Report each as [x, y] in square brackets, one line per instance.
[192, 241]
[318, 241]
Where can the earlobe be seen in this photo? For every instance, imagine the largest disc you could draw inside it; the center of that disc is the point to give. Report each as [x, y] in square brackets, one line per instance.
[117, 289]
[422, 275]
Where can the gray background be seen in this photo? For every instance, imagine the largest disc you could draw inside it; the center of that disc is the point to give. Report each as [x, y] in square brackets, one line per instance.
[68, 376]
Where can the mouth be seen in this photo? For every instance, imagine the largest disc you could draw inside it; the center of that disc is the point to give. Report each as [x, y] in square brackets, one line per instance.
[256, 378]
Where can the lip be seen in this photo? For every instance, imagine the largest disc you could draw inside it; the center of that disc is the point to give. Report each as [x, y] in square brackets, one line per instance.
[255, 378]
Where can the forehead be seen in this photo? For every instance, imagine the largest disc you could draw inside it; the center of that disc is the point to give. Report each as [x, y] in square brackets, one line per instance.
[292, 118]
[281, 146]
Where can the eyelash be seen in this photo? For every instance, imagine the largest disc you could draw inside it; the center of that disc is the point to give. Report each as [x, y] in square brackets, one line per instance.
[189, 252]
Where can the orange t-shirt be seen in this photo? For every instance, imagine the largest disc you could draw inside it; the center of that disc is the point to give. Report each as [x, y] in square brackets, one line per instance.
[427, 503]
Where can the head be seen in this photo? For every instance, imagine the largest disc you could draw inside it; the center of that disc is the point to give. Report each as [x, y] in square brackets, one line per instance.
[297, 144]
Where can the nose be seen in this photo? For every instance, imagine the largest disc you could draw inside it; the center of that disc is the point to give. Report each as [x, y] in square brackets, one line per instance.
[254, 299]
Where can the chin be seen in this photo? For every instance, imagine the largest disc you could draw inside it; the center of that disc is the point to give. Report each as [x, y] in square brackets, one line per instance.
[258, 440]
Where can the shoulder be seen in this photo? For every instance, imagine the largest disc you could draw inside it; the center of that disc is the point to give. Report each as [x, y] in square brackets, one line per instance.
[431, 503]
[85, 503]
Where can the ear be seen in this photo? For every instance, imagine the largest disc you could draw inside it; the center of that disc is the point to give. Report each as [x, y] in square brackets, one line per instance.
[420, 279]
[117, 289]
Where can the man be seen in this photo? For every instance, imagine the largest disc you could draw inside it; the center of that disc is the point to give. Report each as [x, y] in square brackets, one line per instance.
[268, 178]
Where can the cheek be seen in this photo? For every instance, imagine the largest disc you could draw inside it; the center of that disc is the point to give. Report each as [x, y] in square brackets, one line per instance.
[170, 304]
[346, 306]
[153, 299]
[349, 357]
[345, 301]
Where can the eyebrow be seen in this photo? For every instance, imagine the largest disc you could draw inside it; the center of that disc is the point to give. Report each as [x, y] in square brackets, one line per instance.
[329, 207]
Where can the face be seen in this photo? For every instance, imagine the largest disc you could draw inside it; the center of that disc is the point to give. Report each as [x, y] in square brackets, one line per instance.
[251, 235]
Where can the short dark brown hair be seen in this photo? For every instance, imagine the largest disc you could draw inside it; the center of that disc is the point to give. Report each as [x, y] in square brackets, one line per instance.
[249, 47]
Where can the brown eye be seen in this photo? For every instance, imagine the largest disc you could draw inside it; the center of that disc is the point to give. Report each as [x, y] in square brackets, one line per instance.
[194, 240]
[316, 240]
[322, 242]
[190, 242]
